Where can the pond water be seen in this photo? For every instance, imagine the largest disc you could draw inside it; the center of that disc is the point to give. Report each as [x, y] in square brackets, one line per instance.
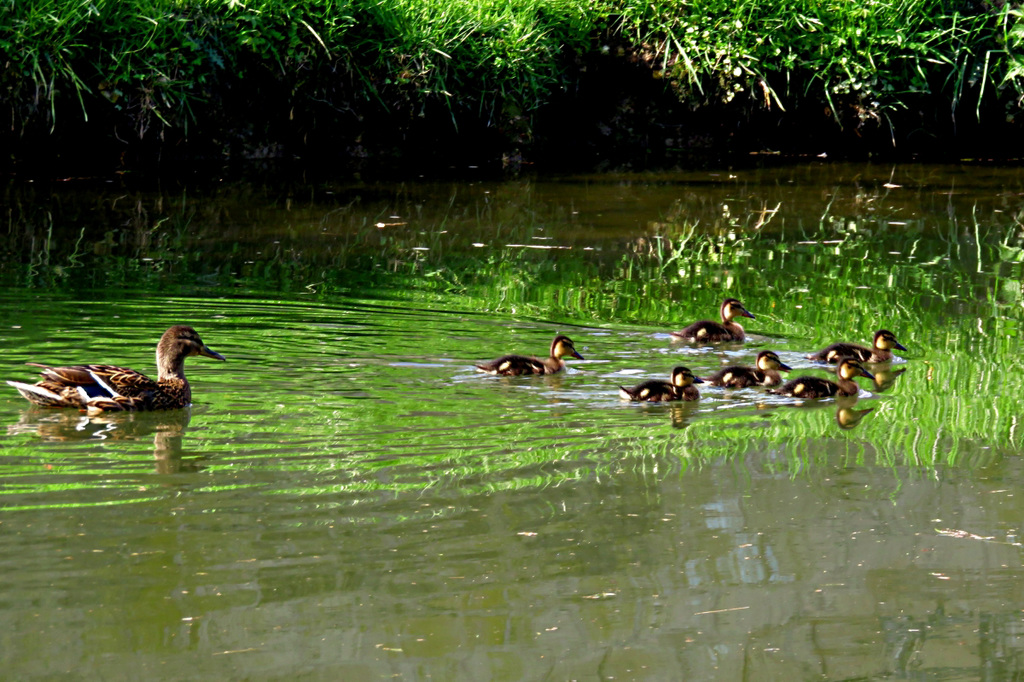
[348, 498]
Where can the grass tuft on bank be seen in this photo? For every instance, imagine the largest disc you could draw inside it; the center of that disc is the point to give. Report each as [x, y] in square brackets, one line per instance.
[268, 77]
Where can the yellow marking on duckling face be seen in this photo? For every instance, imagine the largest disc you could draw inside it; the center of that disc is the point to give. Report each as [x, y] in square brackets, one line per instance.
[504, 366]
[798, 389]
[727, 378]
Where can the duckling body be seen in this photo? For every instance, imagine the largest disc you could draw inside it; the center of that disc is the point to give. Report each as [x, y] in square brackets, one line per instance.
[108, 388]
[817, 387]
[764, 373]
[654, 391]
[706, 331]
[881, 350]
[515, 365]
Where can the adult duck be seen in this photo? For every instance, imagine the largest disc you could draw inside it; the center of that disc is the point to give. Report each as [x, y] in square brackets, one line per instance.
[103, 388]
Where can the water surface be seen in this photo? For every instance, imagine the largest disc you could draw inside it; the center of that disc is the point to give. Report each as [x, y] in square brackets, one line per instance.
[349, 499]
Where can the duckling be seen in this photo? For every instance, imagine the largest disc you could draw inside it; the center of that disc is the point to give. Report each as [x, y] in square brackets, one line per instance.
[107, 388]
[707, 331]
[514, 365]
[765, 373]
[816, 387]
[655, 391]
[883, 344]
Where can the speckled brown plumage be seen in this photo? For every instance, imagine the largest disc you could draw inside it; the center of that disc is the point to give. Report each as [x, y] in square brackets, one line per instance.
[102, 388]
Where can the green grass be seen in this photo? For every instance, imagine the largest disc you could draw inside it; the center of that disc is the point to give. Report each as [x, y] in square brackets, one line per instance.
[271, 71]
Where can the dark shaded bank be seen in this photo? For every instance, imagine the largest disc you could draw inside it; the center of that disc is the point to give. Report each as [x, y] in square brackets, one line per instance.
[550, 85]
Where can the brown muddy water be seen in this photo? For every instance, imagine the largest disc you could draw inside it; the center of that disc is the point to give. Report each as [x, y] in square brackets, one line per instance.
[348, 498]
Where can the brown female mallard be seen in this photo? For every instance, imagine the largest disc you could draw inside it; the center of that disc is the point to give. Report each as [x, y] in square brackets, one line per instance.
[816, 387]
[102, 388]
[654, 391]
[881, 350]
[707, 331]
[514, 365]
[764, 373]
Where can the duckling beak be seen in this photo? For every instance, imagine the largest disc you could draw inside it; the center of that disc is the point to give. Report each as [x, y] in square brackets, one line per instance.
[204, 350]
[897, 344]
[746, 313]
[783, 367]
[576, 355]
[698, 380]
[865, 373]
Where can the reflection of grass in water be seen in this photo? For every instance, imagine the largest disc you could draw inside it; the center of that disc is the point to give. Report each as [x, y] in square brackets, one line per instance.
[810, 282]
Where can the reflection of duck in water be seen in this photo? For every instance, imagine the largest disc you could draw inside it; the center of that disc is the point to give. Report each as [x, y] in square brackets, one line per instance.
[706, 331]
[166, 428]
[514, 365]
[881, 350]
[885, 378]
[764, 373]
[817, 387]
[101, 388]
[654, 391]
[847, 417]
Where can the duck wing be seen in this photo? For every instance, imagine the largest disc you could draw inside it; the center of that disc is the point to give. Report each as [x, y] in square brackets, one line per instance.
[705, 331]
[513, 365]
[653, 391]
[808, 387]
[736, 377]
[97, 381]
[836, 351]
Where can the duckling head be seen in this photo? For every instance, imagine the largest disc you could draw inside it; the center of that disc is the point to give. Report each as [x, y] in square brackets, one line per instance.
[562, 346]
[683, 377]
[767, 359]
[849, 368]
[886, 340]
[732, 308]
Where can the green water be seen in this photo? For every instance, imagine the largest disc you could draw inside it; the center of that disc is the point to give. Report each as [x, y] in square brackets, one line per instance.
[349, 499]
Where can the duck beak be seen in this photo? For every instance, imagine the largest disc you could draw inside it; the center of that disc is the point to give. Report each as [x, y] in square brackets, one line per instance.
[897, 344]
[576, 355]
[698, 380]
[204, 350]
[865, 373]
[783, 367]
[746, 313]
